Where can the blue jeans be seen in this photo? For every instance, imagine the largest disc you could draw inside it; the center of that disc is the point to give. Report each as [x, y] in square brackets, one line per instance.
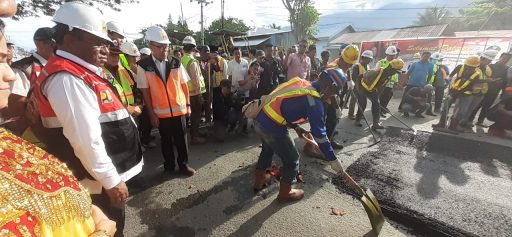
[282, 145]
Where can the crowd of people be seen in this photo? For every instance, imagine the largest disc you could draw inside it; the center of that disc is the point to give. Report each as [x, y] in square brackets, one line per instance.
[89, 99]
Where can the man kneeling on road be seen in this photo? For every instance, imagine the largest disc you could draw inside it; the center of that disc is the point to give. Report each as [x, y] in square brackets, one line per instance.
[416, 101]
[292, 103]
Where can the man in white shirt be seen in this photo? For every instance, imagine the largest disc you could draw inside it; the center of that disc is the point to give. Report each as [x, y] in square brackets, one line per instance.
[87, 125]
[26, 71]
[237, 69]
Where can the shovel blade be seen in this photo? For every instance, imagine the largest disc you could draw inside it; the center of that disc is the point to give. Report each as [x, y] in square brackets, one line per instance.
[372, 208]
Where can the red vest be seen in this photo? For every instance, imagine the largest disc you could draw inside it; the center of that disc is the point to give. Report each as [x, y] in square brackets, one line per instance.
[110, 105]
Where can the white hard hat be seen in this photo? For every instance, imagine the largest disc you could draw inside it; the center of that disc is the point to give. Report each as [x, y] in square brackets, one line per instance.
[145, 51]
[391, 50]
[437, 56]
[489, 54]
[189, 40]
[82, 16]
[367, 54]
[157, 35]
[115, 27]
[129, 48]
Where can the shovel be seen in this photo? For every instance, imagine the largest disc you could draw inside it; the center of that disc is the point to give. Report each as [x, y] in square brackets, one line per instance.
[369, 201]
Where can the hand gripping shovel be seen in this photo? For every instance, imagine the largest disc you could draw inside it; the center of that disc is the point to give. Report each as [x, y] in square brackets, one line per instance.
[369, 201]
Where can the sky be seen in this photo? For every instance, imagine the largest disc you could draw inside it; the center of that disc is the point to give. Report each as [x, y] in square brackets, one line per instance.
[255, 13]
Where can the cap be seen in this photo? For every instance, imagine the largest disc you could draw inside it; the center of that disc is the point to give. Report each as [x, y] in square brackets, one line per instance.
[260, 53]
[44, 33]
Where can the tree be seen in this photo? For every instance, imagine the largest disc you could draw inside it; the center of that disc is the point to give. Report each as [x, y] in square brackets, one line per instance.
[177, 30]
[487, 15]
[274, 26]
[231, 23]
[28, 8]
[433, 16]
[303, 18]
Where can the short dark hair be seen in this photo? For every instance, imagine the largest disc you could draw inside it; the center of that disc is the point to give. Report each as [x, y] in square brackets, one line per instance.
[312, 47]
[324, 53]
[188, 47]
[426, 52]
[234, 49]
[269, 46]
[252, 51]
[303, 41]
[225, 83]
[254, 64]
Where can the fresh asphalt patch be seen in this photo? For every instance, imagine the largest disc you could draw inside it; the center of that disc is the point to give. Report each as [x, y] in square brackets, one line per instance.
[439, 184]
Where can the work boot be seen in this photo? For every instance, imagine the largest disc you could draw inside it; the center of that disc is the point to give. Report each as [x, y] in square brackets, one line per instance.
[335, 145]
[454, 126]
[288, 194]
[406, 114]
[262, 180]
[358, 123]
[351, 117]
[376, 125]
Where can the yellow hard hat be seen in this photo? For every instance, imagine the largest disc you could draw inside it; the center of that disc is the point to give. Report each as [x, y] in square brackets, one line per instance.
[397, 64]
[472, 61]
[350, 54]
[416, 56]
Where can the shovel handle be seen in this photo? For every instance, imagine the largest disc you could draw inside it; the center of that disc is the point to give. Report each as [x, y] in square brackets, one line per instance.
[352, 182]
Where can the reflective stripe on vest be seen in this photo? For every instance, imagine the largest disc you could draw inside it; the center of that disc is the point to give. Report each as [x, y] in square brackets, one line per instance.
[374, 83]
[384, 63]
[111, 108]
[482, 87]
[219, 76]
[434, 74]
[123, 84]
[169, 100]
[458, 85]
[295, 87]
[195, 87]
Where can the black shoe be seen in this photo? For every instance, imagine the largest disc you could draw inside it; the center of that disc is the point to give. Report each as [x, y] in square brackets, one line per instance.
[382, 115]
[406, 114]
[358, 123]
[169, 170]
[419, 116]
[335, 145]
[351, 117]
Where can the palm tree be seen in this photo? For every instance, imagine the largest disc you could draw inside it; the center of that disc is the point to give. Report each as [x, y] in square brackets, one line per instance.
[274, 26]
[433, 16]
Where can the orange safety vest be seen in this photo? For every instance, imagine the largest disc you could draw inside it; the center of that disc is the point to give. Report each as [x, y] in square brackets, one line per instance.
[170, 98]
[294, 87]
[123, 84]
[460, 85]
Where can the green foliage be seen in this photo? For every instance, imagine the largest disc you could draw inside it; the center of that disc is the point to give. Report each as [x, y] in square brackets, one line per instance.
[433, 16]
[303, 18]
[274, 26]
[177, 31]
[487, 15]
[231, 23]
[28, 8]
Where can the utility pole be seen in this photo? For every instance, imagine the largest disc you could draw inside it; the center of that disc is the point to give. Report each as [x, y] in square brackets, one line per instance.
[222, 14]
[202, 3]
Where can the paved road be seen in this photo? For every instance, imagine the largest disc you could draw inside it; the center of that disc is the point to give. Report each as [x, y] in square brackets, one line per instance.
[437, 189]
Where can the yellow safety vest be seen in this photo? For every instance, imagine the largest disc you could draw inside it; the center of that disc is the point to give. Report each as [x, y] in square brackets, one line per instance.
[123, 84]
[384, 63]
[460, 85]
[374, 83]
[193, 88]
[219, 76]
[482, 87]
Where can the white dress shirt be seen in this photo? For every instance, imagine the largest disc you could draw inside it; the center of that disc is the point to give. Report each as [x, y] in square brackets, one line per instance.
[77, 109]
[142, 82]
[21, 85]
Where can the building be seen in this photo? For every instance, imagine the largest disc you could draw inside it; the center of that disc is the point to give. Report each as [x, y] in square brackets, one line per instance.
[259, 37]
[329, 32]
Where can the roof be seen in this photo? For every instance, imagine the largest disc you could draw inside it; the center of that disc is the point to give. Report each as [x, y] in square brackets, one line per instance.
[263, 31]
[250, 42]
[399, 33]
[329, 30]
[486, 33]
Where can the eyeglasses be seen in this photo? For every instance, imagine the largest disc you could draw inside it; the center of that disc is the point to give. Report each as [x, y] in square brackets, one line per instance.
[160, 47]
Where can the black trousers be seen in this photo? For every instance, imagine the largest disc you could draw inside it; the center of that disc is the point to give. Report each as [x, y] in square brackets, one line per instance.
[386, 96]
[485, 105]
[439, 96]
[113, 212]
[374, 98]
[330, 119]
[172, 134]
[144, 126]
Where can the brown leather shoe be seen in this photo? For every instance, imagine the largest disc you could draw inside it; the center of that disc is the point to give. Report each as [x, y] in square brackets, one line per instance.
[287, 194]
[187, 170]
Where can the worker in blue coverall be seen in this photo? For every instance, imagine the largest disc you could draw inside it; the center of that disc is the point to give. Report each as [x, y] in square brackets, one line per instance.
[294, 102]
